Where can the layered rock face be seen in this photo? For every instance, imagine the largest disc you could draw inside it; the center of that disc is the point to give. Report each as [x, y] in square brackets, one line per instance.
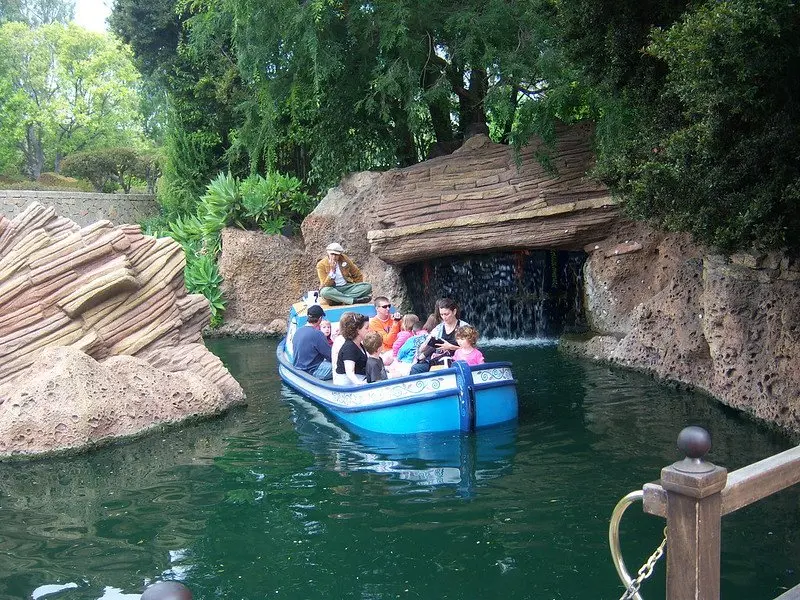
[478, 199]
[98, 337]
[483, 198]
[729, 326]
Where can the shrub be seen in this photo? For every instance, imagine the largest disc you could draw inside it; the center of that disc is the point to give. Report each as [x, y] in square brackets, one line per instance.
[45, 182]
[111, 168]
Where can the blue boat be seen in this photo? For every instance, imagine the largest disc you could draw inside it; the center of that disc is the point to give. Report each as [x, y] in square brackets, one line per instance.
[459, 398]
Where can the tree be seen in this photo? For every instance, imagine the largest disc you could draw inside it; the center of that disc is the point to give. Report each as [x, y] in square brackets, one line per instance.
[200, 87]
[696, 109]
[37, 12]
[366, 85]
[108, 168]
[66, 89]
[726, 167]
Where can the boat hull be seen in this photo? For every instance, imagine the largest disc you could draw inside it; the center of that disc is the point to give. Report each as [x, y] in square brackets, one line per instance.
[461, 398]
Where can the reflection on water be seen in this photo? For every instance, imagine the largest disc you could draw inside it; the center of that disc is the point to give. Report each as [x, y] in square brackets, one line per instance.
[460, 460]
[280, 500]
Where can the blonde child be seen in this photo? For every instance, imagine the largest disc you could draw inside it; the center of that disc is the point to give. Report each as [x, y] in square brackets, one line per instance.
[375, 369]
[467, 337]
[406, 331]
[325, 328]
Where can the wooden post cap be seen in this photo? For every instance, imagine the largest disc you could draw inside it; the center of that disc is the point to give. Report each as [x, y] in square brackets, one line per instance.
[694, 476]
[167, 590]
[694, 442]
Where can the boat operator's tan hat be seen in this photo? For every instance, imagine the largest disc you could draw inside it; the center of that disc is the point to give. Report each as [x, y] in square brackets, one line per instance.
[334, 248]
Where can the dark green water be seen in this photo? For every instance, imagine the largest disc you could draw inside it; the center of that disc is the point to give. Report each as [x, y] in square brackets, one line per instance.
[275, 501]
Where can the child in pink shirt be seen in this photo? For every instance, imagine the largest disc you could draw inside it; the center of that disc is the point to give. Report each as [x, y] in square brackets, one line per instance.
[406, 331]
[467, 337]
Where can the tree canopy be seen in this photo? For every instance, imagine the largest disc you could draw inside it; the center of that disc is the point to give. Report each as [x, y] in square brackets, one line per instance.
[63, 89]
[37, 12]
[694, 104]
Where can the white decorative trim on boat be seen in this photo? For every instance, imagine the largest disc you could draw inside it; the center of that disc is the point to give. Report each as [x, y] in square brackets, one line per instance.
[489, 375]
[388, 393]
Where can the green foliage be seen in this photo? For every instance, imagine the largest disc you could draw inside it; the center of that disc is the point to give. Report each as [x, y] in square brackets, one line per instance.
[720, 160]
[157, 226]
[192, 87]
[218, 208]
[37, 12]
[694, 103]
[64, 89]
[273, 202]
[109, 168]
[187, 231]
[202, 277]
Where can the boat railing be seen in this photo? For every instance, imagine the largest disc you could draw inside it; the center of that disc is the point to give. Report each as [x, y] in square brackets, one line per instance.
[693, 495]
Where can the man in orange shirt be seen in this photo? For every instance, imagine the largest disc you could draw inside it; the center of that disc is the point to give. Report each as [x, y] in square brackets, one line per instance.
[384, 323]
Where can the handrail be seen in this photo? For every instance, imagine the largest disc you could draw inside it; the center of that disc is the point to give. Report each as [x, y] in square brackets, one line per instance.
[693, 495]
[743, 487]
[761, 479]
[613, 540]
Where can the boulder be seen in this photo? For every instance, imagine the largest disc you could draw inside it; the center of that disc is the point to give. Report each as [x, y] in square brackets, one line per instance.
[106, 293]
[67, 399]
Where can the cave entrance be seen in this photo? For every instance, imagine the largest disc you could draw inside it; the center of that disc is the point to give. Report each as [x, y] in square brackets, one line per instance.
[521, 294]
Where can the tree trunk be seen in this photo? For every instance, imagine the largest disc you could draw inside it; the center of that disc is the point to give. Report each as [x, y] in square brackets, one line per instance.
[406, 148]
[34, 153]
[440, 118]
[514, 101]
[473, 105]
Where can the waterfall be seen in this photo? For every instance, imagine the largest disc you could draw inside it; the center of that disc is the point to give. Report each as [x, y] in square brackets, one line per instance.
[523, 294]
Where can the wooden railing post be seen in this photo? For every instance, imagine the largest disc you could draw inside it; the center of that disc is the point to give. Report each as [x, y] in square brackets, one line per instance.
[693, 519]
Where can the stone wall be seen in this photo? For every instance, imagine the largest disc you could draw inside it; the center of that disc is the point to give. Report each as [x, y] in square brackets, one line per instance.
[81, 207]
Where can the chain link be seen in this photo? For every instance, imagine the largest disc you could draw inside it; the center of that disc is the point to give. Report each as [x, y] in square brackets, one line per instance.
[646, 570]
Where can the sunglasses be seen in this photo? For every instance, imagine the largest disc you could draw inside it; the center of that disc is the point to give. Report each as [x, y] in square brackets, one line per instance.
[384, 306]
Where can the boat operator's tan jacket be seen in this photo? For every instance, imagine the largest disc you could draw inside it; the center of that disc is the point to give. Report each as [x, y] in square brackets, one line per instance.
[349, 270]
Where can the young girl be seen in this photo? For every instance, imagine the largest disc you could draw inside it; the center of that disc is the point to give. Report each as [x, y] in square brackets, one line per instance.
[467, 337]
[325, 328]
[406, 331]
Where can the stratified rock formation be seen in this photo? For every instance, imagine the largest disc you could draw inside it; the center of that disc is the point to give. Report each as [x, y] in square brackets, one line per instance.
[76, 306]
[482, 198]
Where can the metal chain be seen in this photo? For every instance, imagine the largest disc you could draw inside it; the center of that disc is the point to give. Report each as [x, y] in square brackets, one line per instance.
[646, 570]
